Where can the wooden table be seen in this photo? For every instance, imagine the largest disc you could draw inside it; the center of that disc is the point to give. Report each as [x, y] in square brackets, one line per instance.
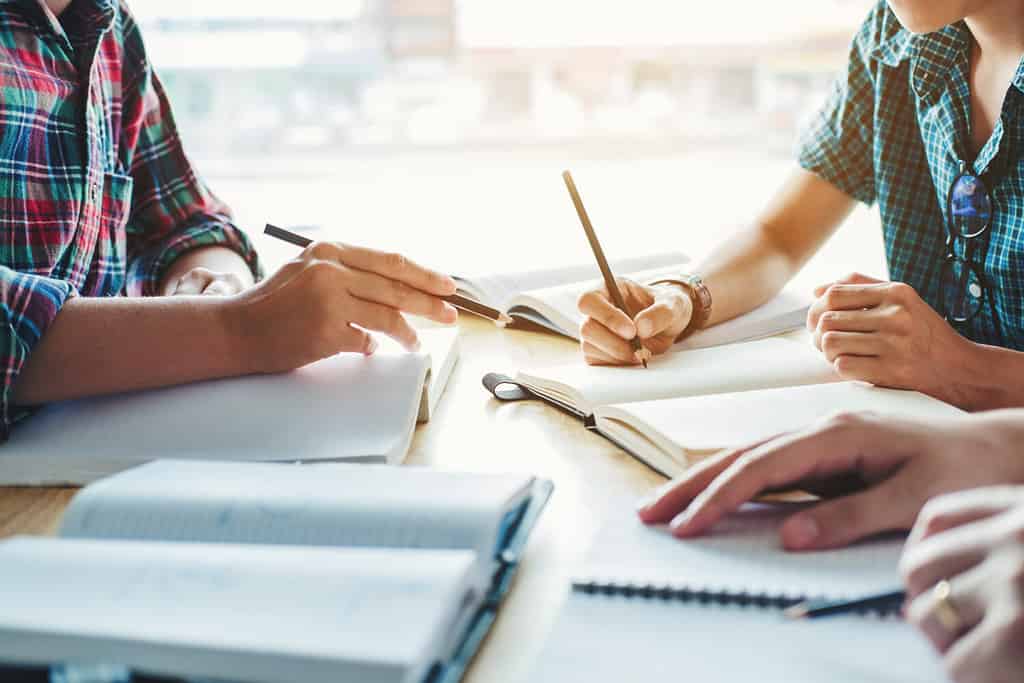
[472, 431]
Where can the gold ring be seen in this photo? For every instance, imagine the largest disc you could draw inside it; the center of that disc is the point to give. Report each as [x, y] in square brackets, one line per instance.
[945, 611]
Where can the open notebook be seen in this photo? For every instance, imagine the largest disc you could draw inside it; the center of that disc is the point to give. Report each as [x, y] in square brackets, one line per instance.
[690, 404]
[547, 299]
[646, 606]
[347, 408]
[267, 573]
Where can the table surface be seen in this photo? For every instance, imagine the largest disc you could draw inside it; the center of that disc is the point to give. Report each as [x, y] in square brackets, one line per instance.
[472, 431]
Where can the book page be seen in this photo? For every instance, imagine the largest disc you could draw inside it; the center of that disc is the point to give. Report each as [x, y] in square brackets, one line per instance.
[335, 505]
[231, 612]
[742, 554]
[498, 290]
[601, 639]
[786, 312]
[344, 407]
[738, 367]
[709, 423]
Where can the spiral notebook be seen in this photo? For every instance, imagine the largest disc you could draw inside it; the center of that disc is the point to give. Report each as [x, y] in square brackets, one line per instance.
[740, 561]
[647, 607]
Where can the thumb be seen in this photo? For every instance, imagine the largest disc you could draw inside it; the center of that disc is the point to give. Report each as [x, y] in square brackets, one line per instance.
[839, 522]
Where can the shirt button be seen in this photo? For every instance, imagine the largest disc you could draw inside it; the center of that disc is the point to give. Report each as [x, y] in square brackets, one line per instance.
[975, 290]
[94, 191]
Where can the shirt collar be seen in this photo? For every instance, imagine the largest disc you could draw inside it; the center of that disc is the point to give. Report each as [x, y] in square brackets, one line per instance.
[932, 55]
[100, 14]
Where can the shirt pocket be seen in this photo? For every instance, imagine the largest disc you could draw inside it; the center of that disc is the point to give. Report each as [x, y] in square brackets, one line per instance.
[109, 262]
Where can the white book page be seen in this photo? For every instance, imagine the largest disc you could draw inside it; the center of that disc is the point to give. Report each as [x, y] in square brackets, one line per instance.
[708, 423]
[557, 307]
[345, 407]
[230, 612]
[742, 554]
[602, 639]
[738, 367]
[498, 290]
[784, 313]
[336, 505]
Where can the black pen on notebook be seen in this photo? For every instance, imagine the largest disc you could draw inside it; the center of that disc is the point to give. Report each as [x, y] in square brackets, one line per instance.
[494, 315]
[884, 603]
[641, 354]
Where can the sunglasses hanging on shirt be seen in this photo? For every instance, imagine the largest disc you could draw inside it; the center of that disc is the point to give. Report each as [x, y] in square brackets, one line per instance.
[965, 288]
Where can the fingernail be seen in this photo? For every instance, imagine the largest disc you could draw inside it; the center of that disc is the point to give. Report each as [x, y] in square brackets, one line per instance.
[679, 521]
[802, 531]
[626, 330]
[372, 348]
[645, 328]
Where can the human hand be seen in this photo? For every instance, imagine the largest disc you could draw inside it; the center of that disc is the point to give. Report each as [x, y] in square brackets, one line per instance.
[328, 299]
[884, 333]
[974, 541]
[202, 281]
[876, 473]
[606, 333]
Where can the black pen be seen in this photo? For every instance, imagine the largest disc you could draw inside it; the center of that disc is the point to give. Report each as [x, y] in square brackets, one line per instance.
[883, 603]
[469, 305]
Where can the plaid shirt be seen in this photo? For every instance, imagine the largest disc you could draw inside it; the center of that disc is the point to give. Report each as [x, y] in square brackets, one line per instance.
[96, 195]
[894, 131]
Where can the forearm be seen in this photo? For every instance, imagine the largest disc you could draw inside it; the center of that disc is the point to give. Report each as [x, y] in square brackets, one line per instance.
[986, 378]
[757, 263]
[216, 258]
[106, 345]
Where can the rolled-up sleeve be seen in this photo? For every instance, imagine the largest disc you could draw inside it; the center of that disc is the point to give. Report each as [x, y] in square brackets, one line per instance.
[29, 303]
[838, 142]
[173, 211]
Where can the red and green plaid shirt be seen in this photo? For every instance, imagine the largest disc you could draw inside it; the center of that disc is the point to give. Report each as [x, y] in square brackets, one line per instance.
[97, 197]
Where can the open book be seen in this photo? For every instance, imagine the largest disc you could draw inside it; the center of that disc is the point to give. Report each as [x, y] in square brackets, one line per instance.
[640, 593]
[344, 408]
[546, 299]
[268, 573]
[691, 404]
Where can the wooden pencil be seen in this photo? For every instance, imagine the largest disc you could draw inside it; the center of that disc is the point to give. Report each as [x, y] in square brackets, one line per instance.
[456, 300]
[641, 354]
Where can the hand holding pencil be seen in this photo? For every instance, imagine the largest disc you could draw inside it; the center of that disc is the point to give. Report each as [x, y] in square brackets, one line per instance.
[610, 334]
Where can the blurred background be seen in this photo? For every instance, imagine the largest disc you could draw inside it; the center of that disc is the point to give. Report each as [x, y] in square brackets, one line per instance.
[400, 121]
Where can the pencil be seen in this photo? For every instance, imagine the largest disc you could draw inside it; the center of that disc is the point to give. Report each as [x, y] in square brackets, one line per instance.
[461, 302]
[641, 354]
[885, 603]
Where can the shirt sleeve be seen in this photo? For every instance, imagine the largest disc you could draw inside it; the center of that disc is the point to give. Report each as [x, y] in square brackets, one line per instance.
[838, 142]
[173, 211]
[28, 305]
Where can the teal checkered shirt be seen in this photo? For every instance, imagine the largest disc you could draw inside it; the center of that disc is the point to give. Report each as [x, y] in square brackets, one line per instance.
[894, 131]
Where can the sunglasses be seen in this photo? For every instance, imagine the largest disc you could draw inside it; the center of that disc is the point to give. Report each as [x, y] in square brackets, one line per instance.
[965, 289]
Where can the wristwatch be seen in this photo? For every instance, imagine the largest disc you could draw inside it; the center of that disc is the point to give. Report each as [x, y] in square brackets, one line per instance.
[700, 297]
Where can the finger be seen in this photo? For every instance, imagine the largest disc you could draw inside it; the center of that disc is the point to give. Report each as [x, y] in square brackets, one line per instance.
[851, 279]
[668, 315]
[617, 348]
[218, 288]
[171, 287]
[834, 446]
[965, 598]
[386, 320]
[846, 321]
[837, 523]
[669, 500]
[389, 264]
[870, 369]
[962, 507]
[943, 556]
[194, 282]
[597, 306]
[990, 651]
[398, 295]
[595, 356]
[835, 344]
[840, 297]
[355, 340]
